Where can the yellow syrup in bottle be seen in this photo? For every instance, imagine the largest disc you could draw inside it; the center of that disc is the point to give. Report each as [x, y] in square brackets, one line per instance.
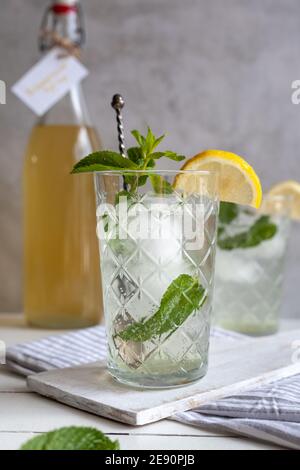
[61, 274]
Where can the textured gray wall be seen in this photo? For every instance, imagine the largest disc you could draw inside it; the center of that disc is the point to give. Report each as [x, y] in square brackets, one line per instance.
[212, 73]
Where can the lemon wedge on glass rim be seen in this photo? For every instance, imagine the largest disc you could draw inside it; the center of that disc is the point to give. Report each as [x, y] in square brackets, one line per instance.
[289, 188]
[238, 182]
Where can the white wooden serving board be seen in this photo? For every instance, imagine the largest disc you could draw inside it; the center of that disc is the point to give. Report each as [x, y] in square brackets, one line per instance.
[234, 366]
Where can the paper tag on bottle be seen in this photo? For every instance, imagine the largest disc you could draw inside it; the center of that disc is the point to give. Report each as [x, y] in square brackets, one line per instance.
[49, 80]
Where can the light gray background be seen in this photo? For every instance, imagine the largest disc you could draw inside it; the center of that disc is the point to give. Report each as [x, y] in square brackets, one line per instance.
[212, 73]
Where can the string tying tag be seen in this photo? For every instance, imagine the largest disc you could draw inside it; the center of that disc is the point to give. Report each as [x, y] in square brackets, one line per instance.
[50, 32]
[57, 40]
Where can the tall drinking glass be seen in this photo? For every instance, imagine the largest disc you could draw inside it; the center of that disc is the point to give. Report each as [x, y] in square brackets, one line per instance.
[157, 251]
[250, 266]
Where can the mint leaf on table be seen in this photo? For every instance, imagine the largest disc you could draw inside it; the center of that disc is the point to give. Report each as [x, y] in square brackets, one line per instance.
[37, 443]
[184, 295]
[104, 160]
[263, 229]
[71, 438]
[228, 212]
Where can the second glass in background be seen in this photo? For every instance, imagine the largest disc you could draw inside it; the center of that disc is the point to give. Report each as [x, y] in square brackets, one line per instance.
[251, 252]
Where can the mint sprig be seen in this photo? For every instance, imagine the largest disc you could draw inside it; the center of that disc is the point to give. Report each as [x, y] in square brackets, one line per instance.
[183, 296]
[104, 160]
[71, 438]
[262, 229]
[142, 157]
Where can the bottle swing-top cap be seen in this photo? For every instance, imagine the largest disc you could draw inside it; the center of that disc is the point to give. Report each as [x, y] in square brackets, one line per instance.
[69, 14]
[63, 7]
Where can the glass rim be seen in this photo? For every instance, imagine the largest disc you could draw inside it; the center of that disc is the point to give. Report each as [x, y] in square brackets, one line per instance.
[277, 197]
[155, 172]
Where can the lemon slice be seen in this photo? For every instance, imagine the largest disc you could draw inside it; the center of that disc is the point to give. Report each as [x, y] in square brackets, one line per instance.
[238, 182]
[289, 188]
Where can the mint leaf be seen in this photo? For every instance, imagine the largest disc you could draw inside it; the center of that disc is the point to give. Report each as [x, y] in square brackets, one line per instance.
[123, 194]
[184, 295]
[36, 443]
[134, 180]
[138, 137]
[105, 220]
[228, 212]
[104, 160]
[151, 163]
[263, 229]
[157, 155]
[142, 180]
[72, 438]
[173, 156]
[158, 140]
[147, 143]
[135, 155]
[220, 230]
[141, 157]
[160, 185]
[150, 142]
[168, 154]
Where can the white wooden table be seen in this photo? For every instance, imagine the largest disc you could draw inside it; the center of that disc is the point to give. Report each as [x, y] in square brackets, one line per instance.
[24, 414]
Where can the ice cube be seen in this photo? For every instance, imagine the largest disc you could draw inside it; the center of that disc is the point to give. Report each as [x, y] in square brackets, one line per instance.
[232, 266]
[158, 227]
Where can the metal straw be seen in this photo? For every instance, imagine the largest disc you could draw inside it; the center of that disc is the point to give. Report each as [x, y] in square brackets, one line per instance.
[118, 104]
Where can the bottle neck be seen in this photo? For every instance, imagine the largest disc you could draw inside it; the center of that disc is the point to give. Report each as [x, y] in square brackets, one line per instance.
[64, 18]
[66, 24]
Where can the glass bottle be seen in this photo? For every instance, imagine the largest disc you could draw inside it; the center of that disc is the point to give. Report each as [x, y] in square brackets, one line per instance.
[61, 278]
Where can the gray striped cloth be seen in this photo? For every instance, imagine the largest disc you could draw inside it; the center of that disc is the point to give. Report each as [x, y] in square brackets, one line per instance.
[270, 413]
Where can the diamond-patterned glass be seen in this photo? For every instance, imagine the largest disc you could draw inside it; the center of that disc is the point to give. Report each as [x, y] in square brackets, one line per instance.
[137, 271]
